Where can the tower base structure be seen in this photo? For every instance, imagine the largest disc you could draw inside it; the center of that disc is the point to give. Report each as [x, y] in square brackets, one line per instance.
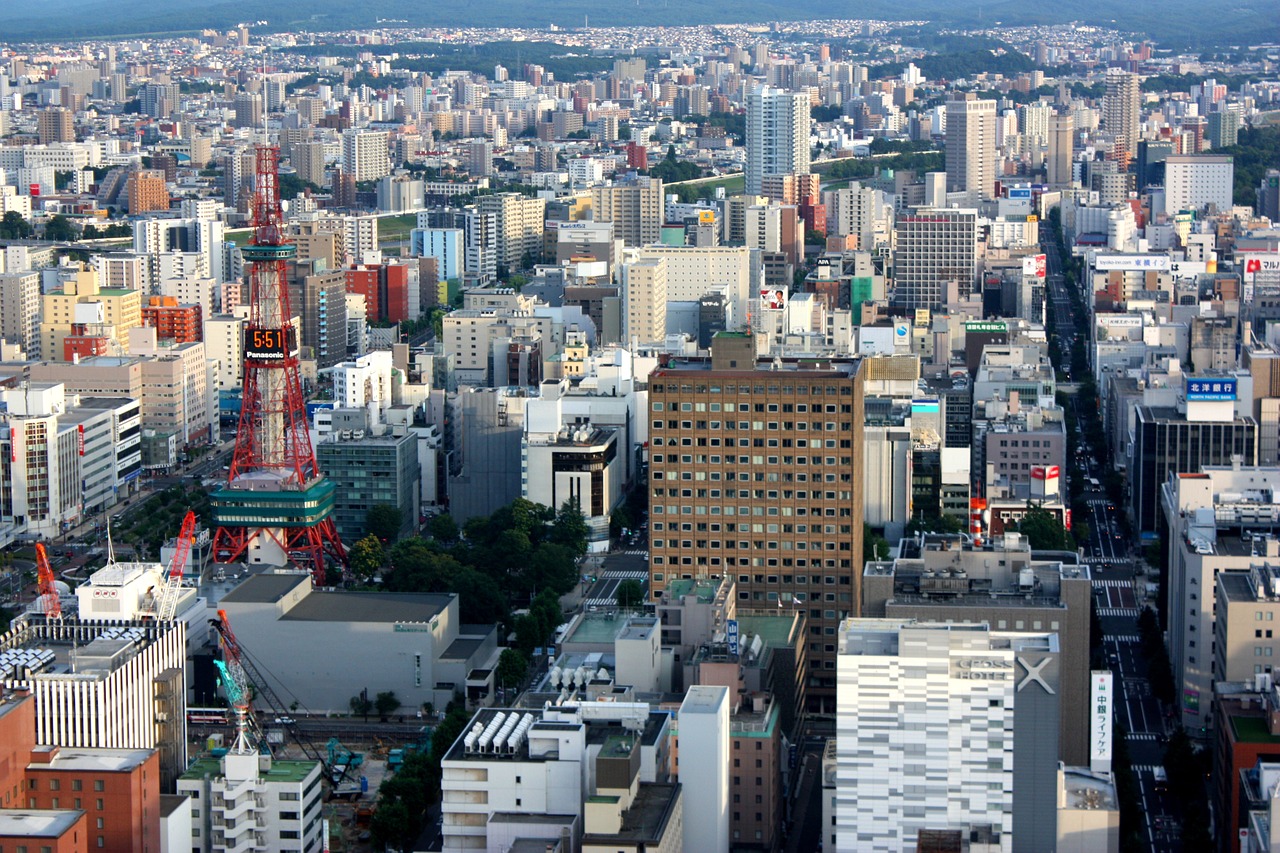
[261, 523]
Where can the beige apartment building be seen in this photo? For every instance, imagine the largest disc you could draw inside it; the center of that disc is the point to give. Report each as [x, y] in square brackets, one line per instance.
[756, 472]
[1247, 626]
[645, 289]
[636, 210]
[518, 221]
[116, 310]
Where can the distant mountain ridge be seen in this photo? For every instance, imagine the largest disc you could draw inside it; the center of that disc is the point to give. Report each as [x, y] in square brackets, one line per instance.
[1201, 25]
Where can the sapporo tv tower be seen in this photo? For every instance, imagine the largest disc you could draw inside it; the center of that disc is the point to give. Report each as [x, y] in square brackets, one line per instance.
[275, 508]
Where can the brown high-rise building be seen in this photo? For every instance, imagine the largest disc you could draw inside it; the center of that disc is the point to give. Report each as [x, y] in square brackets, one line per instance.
[54, 124]
[756, 471]
[147, 191]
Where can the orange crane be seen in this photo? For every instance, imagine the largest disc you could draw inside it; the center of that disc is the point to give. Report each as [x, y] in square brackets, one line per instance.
[167, 605]
[48, 590]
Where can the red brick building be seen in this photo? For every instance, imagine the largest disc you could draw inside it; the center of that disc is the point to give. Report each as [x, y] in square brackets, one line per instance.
[182, 324]
[385, 288]
[118, 788]
[78, 346]
[64, 800]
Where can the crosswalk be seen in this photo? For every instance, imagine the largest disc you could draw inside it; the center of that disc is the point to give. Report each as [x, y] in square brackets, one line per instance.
[1098, 502]
[636, 552]
[600, 602]
[1147, 768]
[1150, 736]
[1119, 584]
[1122, 638]
[1131, 612]
[625, 574]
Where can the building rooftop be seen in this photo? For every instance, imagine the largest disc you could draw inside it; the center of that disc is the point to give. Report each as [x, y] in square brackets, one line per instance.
[1235, 586]
[462, 648]
[346, 606]
[89, 760]
[638, 628]
[170, 803]
[267, 587]
[37, 823]
[338, 606]
[1252, 729]
[283, 771]
[775, 631]
[597, 628]
[646, 821]
[703, 700]
[704, 589]
[1085, 790]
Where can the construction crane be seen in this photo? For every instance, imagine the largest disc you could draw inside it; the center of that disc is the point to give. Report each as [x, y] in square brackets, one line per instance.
[249, 677]
[167, 605]
[51, 603]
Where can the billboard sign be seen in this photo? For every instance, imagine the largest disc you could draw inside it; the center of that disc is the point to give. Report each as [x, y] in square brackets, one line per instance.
[706, 217]
[985, 328]
[1101, 699]
[1131, 263]
[731, 635]
[1254, 264]
[773, 299]
[1045, 472]
[1211, 390]
[1034, 265]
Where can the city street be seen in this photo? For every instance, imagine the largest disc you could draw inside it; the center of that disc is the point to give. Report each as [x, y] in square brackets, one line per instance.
[1119, 592]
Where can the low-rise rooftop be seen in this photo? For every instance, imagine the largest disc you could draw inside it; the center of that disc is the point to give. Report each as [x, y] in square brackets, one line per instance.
[38, 823]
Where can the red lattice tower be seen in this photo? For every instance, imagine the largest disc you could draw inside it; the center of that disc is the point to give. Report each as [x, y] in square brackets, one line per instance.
[275, 499]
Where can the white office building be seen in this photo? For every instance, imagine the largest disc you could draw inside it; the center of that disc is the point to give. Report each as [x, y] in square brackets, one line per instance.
[704, 767]
[930, 718]
[1193, 181]
[247, 801]
[778, 125]
[364, 155]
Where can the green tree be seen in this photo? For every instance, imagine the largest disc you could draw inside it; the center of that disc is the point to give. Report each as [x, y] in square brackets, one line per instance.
[360, 706]
[513, 666]
[480, 599]
[630, 594]
[366, 557]
[874, 546]
[1043, 530]
[384, 521]
[934, 524]
[14, 227]
[570, 527]
[531, 632]
[392, 826]
[620, 519]
[60, 228]
[386, 702]
[548, 610]
[443, 528]
[552, 567]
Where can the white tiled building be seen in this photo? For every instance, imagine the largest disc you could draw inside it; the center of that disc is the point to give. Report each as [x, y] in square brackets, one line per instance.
[927, 723]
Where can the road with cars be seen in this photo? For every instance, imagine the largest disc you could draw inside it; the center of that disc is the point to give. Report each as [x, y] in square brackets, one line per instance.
[1120, 591]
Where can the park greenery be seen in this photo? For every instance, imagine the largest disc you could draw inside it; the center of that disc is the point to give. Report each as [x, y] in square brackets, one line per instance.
[861, 168]
[525, 554]
[1256, 150]
[160, 519]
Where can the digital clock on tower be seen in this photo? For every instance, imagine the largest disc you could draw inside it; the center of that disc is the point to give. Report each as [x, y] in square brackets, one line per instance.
[264, 344]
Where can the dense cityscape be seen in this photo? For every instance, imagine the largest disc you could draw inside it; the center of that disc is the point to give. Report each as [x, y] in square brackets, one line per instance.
[841, 435]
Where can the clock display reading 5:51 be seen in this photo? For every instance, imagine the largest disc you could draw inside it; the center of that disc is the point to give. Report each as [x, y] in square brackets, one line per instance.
[264, 344]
